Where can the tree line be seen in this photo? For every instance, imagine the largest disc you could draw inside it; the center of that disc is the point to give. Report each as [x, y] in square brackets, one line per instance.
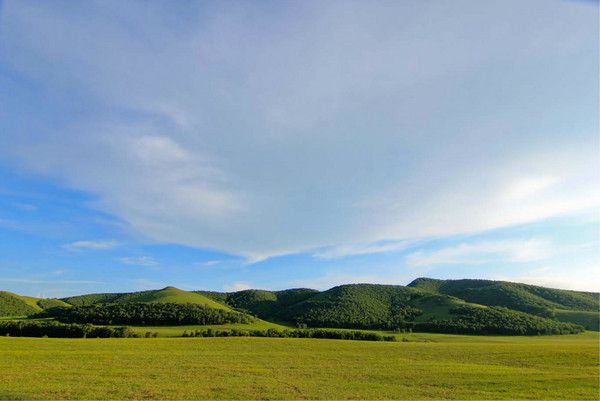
[295, 333]
[496, 320]
[46, 328]
[351, 318]
[148, 314]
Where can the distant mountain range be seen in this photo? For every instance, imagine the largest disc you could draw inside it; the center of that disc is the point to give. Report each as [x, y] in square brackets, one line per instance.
[462, 306]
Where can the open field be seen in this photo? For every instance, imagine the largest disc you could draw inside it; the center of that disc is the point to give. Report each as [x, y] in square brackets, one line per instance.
[428, 366]
[177, 331]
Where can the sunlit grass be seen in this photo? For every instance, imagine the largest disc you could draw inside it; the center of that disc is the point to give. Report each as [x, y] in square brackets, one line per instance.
[427, 366]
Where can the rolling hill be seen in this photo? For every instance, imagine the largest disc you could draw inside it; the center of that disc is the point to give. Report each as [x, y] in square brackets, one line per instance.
[165, 295]
[482, 306]
[262, 303]
[565, 305]
[19, 305]
[387, 307]
[354, 301]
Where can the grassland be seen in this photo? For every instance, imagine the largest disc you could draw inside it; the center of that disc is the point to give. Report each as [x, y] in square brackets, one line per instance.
[428, 366]
[587, 319]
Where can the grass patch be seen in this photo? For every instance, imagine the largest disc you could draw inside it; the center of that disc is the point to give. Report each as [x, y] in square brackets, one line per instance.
[444, 367]
[589, 320]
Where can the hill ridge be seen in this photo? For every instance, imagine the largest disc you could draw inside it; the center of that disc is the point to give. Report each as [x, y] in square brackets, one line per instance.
[361, 305]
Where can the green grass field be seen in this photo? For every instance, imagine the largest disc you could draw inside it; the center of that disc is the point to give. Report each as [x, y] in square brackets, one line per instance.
[428, 366]
[587, 319]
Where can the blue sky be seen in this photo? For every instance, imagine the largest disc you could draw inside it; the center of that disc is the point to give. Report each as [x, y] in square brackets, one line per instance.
[227, 145]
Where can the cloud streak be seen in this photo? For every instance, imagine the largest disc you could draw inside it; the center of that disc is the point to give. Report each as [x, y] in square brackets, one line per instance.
[308, 127]
[146, 261]
[511, 251]
[96, 245]
[361, 249]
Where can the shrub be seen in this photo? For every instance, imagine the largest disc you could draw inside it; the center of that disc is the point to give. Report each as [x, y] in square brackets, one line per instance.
[147, 314]
[295, 333]
[22, 328]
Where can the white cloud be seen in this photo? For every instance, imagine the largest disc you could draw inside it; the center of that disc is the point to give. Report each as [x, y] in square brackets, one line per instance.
[97, 245]
[209, 263]
[515, 251]
[37, 281]
[146, 261]
[577, 277]
[236, 287]
[525, 187]
[332, 125]
[361, 249]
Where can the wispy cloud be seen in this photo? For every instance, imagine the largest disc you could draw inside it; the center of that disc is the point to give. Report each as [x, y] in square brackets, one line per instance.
[146, 261]
[37, 281]
[343, 251]
[517, 251]
[209, 263]
[97, 245]
[236, 287]
[577, 277]
[369, 149]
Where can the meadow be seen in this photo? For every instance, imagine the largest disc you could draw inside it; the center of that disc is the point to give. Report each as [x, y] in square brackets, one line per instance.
[423, 366]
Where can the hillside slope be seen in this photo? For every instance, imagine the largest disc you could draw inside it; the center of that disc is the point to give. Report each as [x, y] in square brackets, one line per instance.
[467, 306]
[165, 295]
[262, 303]
[352, 305]
[355, 305]
[511, 295]
[396, 307]
[19, 305]
[391, 307]
[570, 306]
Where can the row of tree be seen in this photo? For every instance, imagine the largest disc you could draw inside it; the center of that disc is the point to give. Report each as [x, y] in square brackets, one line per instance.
[148, 314]
[496, 320]
[295, 333]
[44, 328]
[351, 318]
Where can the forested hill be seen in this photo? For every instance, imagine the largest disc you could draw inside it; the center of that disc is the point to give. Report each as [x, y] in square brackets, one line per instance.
[517, 296]
[165, 295]
[19, 305]
[574, 306]
[458, 306]
[391, 307]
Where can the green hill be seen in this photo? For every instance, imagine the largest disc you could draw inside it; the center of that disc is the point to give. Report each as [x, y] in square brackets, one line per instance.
[354, 305]
[15, 305]
[20, 305]
[516, 296]
[570, 306]
[46, 303]
[369, 306]
[420, 306]
[165, 295]
[459, 306]
[266, 304]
